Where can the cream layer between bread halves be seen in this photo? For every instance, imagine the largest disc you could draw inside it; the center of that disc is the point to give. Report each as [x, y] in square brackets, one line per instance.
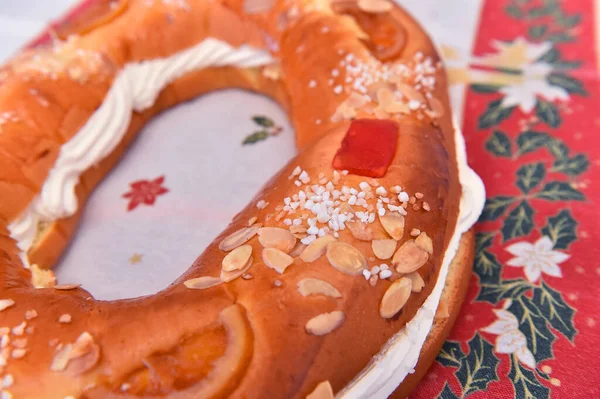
[136, 89]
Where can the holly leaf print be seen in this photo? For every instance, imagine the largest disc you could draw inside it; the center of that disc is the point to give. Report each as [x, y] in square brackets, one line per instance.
[530, 175]
[485, 88]
[533, 324]
[499, 144]
[537, 31]
[555, 310]
[256, 137]
[447, 393]
[514, 11]
[572, 166]
[483, 240]
[547, 112]
[494, 114]
[553, 57]
[495, 207]
[478, 368]
[530, 141]
[569, 21]
[561, 37]
[502, 289]
[263, 121]
[487, 267]
[561, 229]
[570, 84]
[519, 222]
[559, 191]
[525, 382]
[451, 354]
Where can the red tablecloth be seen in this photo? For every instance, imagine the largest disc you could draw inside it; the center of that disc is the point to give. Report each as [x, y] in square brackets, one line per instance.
[529, 326]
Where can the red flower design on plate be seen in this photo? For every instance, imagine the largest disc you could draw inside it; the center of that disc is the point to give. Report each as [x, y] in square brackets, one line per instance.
[145, 192]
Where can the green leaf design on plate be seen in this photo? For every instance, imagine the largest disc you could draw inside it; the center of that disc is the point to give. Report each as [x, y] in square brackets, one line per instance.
[533, 324]
[487, 267]
[499, 144]
[494, 114]
[447, 393]
[514, 11]
[554, 58]
[561, 37]
[557, 148]
[519, 222]
[485, 88]
[530, 140]
[547, 112]
[537, 12]
[495, 207]
[263, 121]
[484, 240]
[571, 166]
[451, 354]
[256, 137]
[555, 310]
[530, 175]
[570, 84]
[537, 31]
[503, 289]
[562, 229]
[559, 191]
[569, 21]
[478, 368]
[525, 382]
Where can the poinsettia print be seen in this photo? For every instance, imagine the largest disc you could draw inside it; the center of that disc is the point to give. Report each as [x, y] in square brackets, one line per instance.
[537, 258]
[510, 339]
[145, 192]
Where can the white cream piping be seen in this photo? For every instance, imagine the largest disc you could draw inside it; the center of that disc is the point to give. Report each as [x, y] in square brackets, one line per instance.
[134, 89]
[399, 356]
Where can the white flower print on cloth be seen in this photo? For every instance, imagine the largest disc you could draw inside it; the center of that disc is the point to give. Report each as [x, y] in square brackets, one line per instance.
[537, 258]
[510, 339]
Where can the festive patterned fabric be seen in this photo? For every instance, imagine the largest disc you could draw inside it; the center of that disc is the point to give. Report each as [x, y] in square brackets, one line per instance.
[525, 85]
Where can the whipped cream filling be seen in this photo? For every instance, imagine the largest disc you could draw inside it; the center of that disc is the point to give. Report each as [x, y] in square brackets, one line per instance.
[399, 356]
[135, 89]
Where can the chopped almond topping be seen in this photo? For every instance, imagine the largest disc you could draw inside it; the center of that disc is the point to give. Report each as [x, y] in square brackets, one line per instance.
[383, 249]
[410, 93]
[276, 259]
[360, 231]
[41, 278]
[442, 311]
[237, 259]
[18, 353]
[19, 343]
[395, 297]
[232, 275]
[81, 356]
[275, 237]
[64, 318]
[415, 232]
[374, 6]
[30, 314]
[20, 329]
[417, 281]
[425, 243]
[325, 323]
[437, 108]
[6, 303]
[258, 6]
[314, 286]
[409, 257]
[393, 224]
[322, 391]
[66, 287]
[239, 237]
[298, 249]
[345, 258]
[316, 249]
[200, 283]
[252, 221]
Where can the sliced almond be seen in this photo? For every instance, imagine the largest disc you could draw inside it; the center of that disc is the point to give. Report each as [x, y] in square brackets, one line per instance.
[314, 286]
[442, 311]
[437, 108]
[298, 249]
[374, 6]
[66, 287]
[425, 243]
[239, 237]
[275, 237]
[322, 391]
[409, 257]
[410, 92]
[276, 259]
[41, 278]
[417, 281]
[258, 6]
[345, 258]
[230, 276]
[395, 297]
[6, 303]
[252, 220]
[316, 249]
[237, 259]
[325, 323]
[360, 231]
[393, 224]
[383, 249]
[201, 283]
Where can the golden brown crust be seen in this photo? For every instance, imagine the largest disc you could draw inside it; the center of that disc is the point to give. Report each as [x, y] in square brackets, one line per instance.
[121, 356]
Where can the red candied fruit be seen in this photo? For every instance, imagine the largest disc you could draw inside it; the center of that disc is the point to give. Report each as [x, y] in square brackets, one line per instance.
[368, 147]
